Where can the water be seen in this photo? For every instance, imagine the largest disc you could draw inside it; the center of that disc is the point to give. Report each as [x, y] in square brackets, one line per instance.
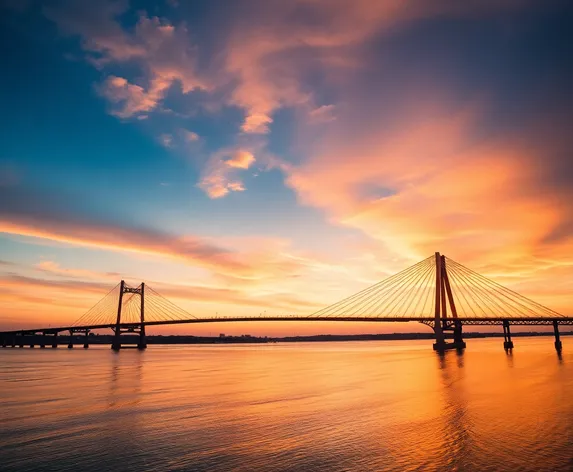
[370, 406]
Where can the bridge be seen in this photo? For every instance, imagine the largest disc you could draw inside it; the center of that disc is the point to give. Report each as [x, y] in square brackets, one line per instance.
[438, 292]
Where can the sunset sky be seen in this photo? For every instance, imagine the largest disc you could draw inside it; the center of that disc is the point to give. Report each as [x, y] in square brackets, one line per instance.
[269, 156]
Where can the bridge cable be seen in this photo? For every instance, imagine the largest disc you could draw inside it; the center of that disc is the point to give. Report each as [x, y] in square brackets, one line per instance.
[386, 288]
[512, 295]
[416, 296]
[380, 307]
[488, 288]
[495, 303]
[357, 296]
[456, 290]
[94, 306]
[383, 307]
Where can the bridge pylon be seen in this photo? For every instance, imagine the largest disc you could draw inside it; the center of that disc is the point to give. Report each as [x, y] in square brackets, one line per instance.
[444, 325]
[138, 328]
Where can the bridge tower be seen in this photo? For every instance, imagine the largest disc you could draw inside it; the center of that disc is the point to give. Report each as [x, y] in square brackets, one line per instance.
[132, 327]
[444, 325]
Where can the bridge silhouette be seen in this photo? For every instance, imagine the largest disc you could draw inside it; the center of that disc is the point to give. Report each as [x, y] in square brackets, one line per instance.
[438, 292]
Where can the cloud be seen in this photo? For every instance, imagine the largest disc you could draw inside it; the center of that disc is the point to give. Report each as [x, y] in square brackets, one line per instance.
[53, 268]
[323, 114]
[241, 159]
[166, 140]
[236, 187]
[189, 136]
[257, 122]
[39, 302]
[131, 99]
[433, 179]
[31, 213]
[68, 220]
[259, 66]
[162, 51]
[272, 58]
[221, 173]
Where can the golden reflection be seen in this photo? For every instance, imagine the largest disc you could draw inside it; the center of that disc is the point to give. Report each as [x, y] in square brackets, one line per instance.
[346, 406]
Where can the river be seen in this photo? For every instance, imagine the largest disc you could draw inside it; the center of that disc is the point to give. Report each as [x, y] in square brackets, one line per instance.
[345, 406]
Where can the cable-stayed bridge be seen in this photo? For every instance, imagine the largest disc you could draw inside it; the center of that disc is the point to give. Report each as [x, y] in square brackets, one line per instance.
[438, 292]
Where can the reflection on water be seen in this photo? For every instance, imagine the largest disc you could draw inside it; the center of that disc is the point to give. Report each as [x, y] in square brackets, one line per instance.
[394, 406]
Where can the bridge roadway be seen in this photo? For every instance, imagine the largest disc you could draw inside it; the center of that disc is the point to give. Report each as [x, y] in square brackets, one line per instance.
[477, 321]
[10, 337]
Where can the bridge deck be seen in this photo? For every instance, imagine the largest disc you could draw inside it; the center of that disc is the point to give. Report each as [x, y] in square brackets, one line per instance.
[483, 321]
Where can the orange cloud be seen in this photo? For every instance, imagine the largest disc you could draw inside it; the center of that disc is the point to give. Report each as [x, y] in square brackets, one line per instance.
[53, 268]
[220, 176]
[241, 159]
[189, 249]
[426, 182]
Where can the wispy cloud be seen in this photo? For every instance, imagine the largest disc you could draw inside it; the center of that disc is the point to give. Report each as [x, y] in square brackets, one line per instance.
[163, 52]
[190, 136]
[221, 174]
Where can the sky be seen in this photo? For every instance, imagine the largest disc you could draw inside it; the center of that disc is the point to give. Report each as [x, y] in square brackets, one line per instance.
[269, 156]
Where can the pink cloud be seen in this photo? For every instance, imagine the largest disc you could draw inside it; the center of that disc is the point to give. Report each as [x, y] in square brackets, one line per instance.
[163, 52]
[220, 176]
[190, 136]
[131, 99]
[323, 114]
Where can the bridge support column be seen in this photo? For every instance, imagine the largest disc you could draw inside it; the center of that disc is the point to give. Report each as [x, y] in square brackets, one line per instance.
[507, 342]
[14, 340]
[71, 341]
[86, 340]
[459, 342]
[43, 341]
[142, 344]
[55, 341]
[116, 343]
[558, 344]
[442, 323]
[440, 344]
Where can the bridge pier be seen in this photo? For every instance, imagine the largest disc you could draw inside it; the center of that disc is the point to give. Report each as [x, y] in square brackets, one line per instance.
[43, 341]
[558, 344]
[507, 342]
[457, 340]
[55, 341]
[86, 340]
